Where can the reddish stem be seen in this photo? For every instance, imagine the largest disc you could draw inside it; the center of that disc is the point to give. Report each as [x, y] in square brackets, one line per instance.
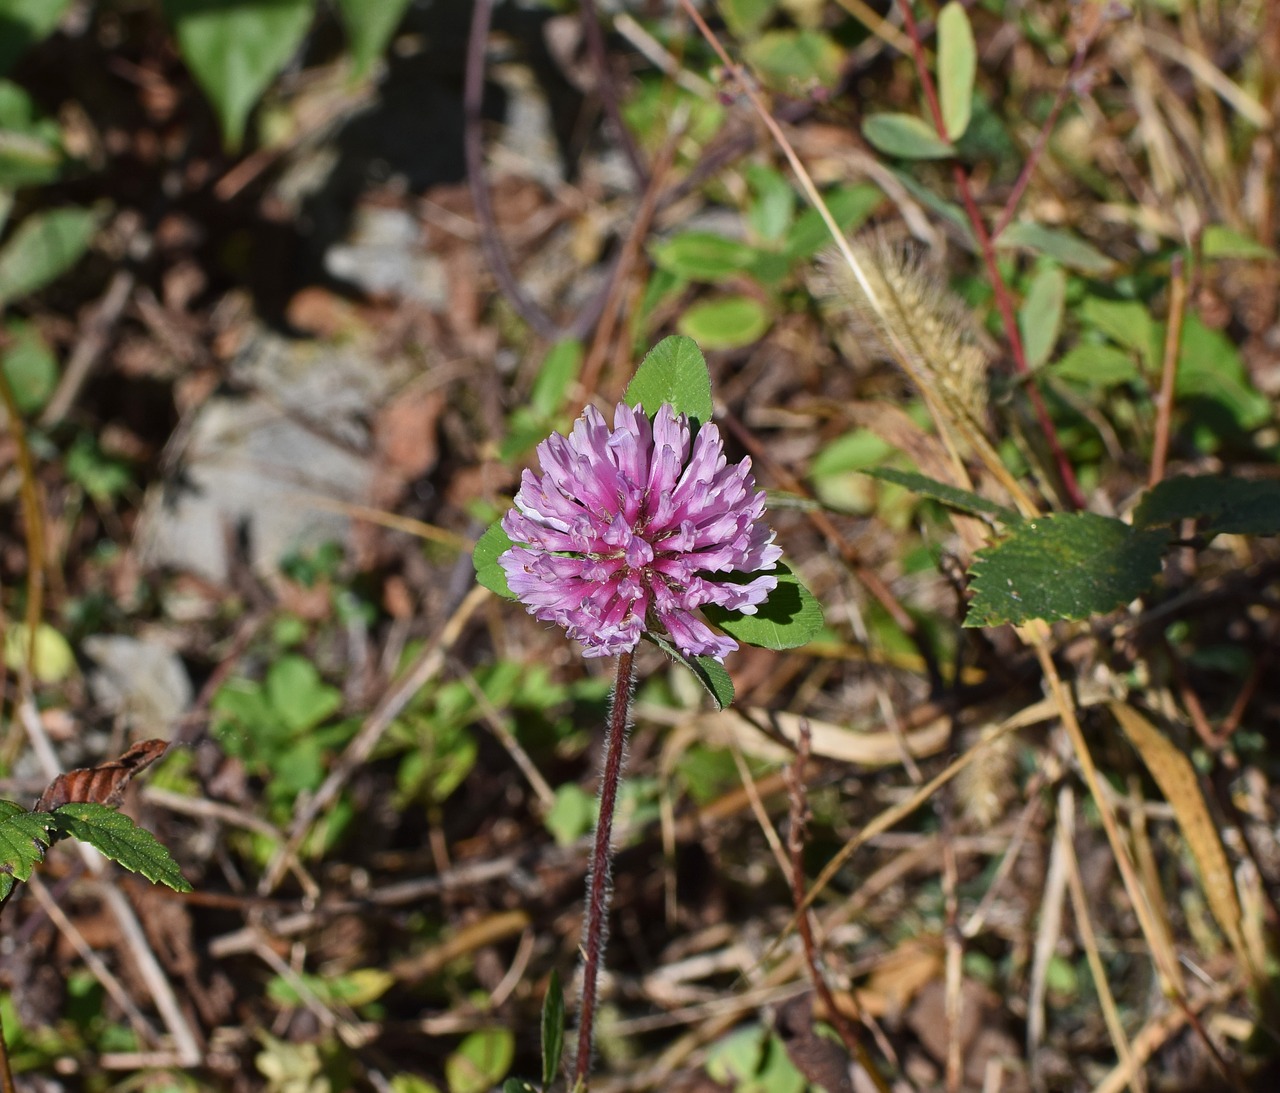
[597, 912]
[1004, 302]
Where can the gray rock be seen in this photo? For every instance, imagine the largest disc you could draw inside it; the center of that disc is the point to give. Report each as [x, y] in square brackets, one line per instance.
[142, 681]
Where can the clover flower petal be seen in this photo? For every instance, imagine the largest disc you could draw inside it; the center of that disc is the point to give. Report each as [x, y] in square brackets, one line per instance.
[626, 529]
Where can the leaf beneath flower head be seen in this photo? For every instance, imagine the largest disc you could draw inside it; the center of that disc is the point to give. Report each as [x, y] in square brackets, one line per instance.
[790, 617]
[673, 371]
[491, 545]
[707, 670]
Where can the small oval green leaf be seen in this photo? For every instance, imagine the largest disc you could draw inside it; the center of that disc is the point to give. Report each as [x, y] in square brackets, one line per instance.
[905, 136]
[1040, 317]
[727, 323]
[957, 65]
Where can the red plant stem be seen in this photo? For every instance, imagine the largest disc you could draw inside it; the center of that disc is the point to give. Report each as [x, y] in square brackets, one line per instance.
[1004, 302]
[597, 913]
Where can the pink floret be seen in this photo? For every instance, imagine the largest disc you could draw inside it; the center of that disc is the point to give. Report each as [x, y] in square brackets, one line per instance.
[626, 529]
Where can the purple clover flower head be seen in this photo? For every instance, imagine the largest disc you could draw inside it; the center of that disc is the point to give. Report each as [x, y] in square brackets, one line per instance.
[625, 529]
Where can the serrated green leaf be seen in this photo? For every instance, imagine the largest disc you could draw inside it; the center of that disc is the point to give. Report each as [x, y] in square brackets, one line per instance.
[24, 838]
[725, 323]
[673, 371]
[121, 840]
[552, 1030]
[957, 66]
[789, 618]
[369, 25]
[1063, 566]
[706, 670]
[1059, 244]
[235, 49]
[491, 545]
[558, 370]
[704, 256]
[951, 496]
[850, 206]
[1040, 317]
[905, 136]
[1232, 506]
[42, 248]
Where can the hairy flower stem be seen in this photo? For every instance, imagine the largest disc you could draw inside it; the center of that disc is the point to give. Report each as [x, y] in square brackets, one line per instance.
[597, 912]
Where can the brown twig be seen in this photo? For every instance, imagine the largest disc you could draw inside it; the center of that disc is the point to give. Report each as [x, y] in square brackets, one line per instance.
[1169, 369]
[598, 881]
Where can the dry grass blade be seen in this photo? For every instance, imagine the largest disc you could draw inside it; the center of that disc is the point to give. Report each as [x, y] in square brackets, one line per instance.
[1177, 780]
[1084, 926]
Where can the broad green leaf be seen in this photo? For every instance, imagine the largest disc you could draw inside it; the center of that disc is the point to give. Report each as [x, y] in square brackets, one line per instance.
[558, 370]
[370, 24]
[1126, 322]
[673, 371]
[42, 248]
[746, 17]
[121, 840]
[552, 1030]
[905, 136]
[706, 670]
[299, 697]
[1232, 506]
[491, 545]
[411, 1083]
[29, 366]
[24, 23]
[52, 662]
[481, 1061]
[704, 256]
[795, 61]
[1061, 245]
[849, 206]
[951, 496]
[957, 66]
[1063, 566]
[1040, 317]
[1096, 365]
[1219, 241]
[855, 450]
[725, 323]
[571, 815]
[235, 48]
[789, 618]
